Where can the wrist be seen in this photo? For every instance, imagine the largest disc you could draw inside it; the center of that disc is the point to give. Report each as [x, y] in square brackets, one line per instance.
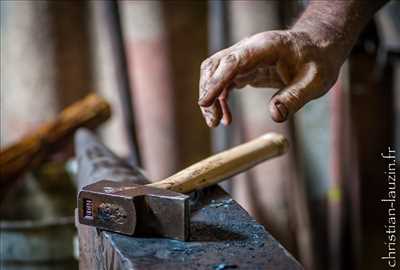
[334, 26]
[333, 42]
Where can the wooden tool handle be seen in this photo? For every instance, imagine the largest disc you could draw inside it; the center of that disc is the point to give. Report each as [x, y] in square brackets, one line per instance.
[225, 164]
[32, 150]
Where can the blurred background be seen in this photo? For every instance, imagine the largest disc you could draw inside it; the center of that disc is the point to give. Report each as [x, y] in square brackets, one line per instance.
[321, 200]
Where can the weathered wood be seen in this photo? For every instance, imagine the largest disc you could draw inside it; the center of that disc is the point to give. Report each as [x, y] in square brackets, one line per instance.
[222, 233]
[33, 149]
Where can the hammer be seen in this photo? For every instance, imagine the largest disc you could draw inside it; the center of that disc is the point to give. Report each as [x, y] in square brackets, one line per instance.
[159, 207]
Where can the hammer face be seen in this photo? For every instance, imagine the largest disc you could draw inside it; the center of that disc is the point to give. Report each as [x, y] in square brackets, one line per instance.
[134, 209]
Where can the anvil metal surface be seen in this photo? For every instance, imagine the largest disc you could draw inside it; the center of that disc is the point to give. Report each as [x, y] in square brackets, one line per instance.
[223, 235]
[124, 204]
[130, 208]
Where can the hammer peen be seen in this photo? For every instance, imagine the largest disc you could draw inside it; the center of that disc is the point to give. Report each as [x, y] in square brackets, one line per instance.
[160, 207]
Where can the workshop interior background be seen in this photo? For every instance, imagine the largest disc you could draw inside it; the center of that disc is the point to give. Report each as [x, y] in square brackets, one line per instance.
[321, 200]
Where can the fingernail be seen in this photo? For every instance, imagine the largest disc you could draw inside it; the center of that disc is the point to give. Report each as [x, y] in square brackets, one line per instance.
[283, 111]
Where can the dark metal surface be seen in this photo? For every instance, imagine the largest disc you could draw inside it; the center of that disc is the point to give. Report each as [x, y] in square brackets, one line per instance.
[121, 205]
[223, 235]
[96, 162]
[134, 209]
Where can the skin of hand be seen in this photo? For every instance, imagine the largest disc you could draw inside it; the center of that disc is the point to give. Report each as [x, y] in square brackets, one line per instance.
[288, 60]
[303, 62]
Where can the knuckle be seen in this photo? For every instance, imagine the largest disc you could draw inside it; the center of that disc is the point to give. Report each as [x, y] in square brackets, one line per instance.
[230, 59]
[222, 98]
[244, 55]
[206, 64]
[294, 97]
[242, 42]
[275, 37]
[203, 92]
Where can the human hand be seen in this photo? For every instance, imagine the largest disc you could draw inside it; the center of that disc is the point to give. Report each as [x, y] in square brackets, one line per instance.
[300, 66]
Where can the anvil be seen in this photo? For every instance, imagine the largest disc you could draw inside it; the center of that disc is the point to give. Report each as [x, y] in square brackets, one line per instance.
[158, 208]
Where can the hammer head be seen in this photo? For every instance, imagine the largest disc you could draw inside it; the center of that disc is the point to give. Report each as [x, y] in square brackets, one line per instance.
[134, 209]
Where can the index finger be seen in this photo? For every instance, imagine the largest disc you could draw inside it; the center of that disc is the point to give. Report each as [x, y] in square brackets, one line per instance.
[216, 76]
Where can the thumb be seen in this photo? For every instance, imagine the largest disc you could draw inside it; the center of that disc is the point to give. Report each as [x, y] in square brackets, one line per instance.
[293, 97]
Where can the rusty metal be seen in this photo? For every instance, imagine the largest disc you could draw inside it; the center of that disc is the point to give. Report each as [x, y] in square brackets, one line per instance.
[124, 204]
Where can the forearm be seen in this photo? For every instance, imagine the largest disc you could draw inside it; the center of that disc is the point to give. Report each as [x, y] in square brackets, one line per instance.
[337, 23]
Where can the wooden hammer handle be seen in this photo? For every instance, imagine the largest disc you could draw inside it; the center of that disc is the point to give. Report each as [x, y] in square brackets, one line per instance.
[225, 164]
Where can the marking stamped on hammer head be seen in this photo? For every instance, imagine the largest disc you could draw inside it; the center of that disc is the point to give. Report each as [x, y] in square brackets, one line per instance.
[125, 205]
[130, 208]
